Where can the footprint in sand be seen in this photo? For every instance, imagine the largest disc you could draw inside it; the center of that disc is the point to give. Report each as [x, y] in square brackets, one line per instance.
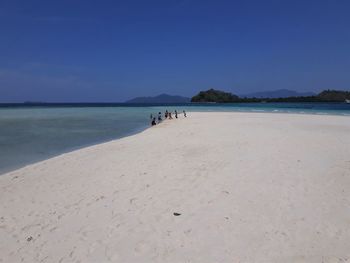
[142, 247]
[53, 229]
[93, 247]
[114, 257]
[188, 231]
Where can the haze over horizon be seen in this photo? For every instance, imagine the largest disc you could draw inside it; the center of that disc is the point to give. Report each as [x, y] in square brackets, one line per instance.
[85, 51]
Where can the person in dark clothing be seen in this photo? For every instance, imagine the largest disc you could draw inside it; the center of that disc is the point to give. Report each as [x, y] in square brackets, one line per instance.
[159, 116]
[170, 117]
[166, 114]
[185, 113]
[176, 114]
[154, 121]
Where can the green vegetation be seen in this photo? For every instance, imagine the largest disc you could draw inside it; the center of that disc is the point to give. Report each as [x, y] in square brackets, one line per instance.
[215, 96]
[334, 96]
[226, 97]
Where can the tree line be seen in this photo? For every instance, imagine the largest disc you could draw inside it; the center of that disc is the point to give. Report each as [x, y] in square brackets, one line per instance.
[218, 96]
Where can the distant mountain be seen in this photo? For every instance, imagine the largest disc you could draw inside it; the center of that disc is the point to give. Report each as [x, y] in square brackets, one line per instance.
[281, 93]
[162, 98]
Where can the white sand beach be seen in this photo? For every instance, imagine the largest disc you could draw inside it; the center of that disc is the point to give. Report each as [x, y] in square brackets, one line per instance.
[249, 187]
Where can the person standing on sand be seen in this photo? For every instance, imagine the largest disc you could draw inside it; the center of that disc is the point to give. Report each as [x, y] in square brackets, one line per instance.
[154, 121]
[159, 116]
[166, 114]
[176, 114]
[170, 117]
[185, 113]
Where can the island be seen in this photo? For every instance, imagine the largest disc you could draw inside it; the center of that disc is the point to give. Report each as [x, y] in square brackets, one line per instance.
[218, 96]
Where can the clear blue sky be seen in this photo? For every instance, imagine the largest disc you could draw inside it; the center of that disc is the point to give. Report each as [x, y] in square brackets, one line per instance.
[115, 50]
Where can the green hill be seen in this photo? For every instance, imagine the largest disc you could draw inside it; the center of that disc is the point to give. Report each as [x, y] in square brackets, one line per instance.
[222, 97]
[212, 95]
[334, 95]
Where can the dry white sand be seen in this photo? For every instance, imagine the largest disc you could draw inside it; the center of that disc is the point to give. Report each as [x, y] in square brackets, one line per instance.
[249, 187]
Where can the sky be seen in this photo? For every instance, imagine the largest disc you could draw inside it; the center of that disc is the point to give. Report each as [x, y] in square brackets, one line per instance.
[111, 51]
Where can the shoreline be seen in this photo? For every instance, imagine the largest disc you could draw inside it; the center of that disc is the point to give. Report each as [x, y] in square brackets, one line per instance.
[76, 148]
[212, 187]
[138, 131]
[145, 127]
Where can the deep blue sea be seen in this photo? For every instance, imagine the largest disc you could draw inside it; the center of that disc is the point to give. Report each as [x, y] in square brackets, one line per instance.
[30, 133]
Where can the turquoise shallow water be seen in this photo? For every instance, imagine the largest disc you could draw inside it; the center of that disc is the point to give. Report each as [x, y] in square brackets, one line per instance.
[30, 134]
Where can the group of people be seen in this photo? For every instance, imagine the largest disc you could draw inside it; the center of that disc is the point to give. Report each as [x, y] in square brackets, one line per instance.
[167, 115]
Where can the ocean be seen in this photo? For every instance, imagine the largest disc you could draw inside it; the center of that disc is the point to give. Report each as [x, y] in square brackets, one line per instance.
[31, 133]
